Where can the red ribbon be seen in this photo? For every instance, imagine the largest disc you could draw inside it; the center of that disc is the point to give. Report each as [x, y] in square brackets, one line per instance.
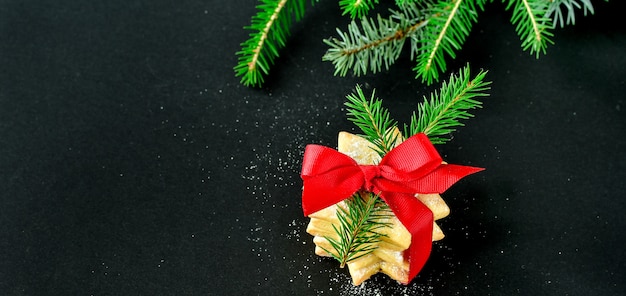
[412, 167]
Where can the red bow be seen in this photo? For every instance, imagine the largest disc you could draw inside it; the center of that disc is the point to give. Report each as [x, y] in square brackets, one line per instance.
[412, 167]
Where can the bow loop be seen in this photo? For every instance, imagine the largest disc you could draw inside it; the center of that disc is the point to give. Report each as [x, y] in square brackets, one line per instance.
[320, 159]
[413, 158]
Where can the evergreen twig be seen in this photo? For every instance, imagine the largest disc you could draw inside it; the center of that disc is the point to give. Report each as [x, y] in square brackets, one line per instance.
[373, 43]
[359, 227]
[440, 115]
[531, 24]
[373, 119]
[445, 32]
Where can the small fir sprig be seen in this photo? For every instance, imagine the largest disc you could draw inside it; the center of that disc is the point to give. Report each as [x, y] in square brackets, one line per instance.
[448, 26]
[374, 120]
[359, 227]
[370, 44]
[531, 24]
[438, 116]
[363, 218]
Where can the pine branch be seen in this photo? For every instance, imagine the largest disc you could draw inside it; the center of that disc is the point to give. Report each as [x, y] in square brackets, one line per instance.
[558, 16]
[531, 24]
[356, 8]
[437, 29]
[440, 115]
[359, 224]
[372, 119]
[447, 28]
[374, 43]
[270, 28]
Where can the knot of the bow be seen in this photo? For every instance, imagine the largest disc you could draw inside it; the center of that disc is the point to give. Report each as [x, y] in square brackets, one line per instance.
[370, 172]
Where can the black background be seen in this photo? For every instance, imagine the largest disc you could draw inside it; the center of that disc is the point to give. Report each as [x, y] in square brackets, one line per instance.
[132, 162]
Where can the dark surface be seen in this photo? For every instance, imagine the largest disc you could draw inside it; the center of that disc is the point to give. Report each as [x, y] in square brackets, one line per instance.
[133, 163]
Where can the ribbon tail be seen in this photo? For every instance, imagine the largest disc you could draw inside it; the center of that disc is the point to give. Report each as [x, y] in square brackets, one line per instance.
[442, 178]
[418, 220]
[419, 251]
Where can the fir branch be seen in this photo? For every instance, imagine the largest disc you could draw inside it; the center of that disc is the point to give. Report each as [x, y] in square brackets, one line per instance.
[359, 224]
[271, 28]
[440, 115]
[556, 14]
[374, 43]
[447, 28]
[531, 24]
[373, 119]
[436, 29]
[356, 8]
